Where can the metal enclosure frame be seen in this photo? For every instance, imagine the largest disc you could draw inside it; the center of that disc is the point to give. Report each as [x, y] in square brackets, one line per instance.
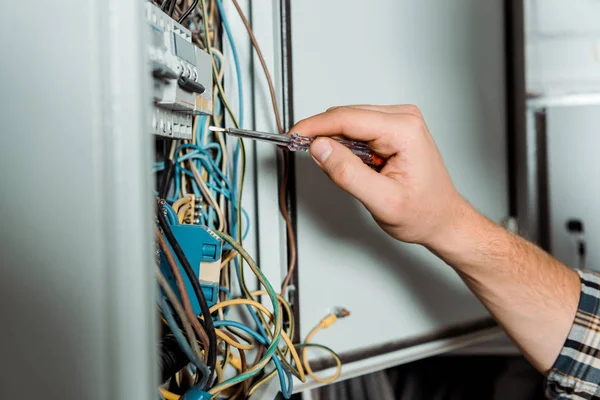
[76, 287]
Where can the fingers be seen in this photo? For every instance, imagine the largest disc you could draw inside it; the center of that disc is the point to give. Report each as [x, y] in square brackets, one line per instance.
[390, 109]
[353, 123]
[356, 124]
[348, 172]
[385, 131]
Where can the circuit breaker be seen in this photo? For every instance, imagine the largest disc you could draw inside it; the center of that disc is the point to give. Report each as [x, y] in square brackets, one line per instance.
[182, 75]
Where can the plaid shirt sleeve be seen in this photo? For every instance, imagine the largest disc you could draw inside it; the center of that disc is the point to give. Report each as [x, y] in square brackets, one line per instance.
[576, 371]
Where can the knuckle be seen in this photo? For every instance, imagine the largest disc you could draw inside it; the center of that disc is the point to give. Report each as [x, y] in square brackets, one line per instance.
[338, 110]
[414, 110]
[413, 122]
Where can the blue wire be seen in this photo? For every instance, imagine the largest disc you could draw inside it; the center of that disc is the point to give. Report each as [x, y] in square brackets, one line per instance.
[240, 86]
[227, 297]
[228, 195]
[171, 216]
[236, 62]
[247, 230]
[210, 162]
[200, 130]
[219, 190]
[224, 290]
[251, 310]
[200, 149]
[183, 343]
[285, 389]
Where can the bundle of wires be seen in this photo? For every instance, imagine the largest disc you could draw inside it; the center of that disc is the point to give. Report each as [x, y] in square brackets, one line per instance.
[202, 183]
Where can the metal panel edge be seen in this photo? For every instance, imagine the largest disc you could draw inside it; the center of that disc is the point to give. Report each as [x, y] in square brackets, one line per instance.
[126, 157]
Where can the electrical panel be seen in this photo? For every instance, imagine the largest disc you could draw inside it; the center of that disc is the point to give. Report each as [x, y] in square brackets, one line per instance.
[182, 75]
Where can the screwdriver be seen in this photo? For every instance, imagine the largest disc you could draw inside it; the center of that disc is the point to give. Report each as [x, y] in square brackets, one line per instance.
[296, 142]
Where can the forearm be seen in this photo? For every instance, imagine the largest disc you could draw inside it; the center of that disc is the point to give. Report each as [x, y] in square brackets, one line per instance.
[531, 295]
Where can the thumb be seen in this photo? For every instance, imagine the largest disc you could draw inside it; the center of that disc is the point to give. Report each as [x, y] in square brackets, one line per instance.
[349, 172]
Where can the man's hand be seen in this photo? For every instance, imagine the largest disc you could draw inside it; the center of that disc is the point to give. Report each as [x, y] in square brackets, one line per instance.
[412, 198]
[532, 296]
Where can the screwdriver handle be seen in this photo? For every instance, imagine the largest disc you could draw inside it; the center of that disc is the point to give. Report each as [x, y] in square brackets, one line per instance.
[364, 152]
[360, 149]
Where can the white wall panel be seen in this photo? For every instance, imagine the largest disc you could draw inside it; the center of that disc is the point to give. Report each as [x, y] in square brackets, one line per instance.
[563, 46]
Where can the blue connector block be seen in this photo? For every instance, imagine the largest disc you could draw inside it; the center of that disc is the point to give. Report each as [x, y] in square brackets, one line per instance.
[199, 245]
[196, 394]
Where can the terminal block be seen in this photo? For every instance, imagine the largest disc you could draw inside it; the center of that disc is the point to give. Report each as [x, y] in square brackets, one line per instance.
[203, 250]
[182, 76]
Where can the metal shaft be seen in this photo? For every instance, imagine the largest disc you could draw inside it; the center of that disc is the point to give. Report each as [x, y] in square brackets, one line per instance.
[282, 140]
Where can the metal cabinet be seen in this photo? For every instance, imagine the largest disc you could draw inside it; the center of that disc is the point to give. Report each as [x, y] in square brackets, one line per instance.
[568, 143]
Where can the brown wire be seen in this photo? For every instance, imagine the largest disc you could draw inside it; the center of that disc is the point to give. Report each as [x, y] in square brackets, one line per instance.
[263, 64]
[289, 226]
[198, 328]
[245, 384]
[259, 353]
[285, 178]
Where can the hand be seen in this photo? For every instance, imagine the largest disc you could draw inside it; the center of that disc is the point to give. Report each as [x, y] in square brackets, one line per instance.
[412, 198]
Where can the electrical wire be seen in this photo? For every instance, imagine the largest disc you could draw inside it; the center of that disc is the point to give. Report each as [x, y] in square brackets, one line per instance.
[276, 317]
[169, 395]
[226, 353]
[212, 349]
[236, 62]
[242, 152]
[191, 349]
[180, 313]
[288, 340]
[165, 3]
[187, 12]
[198, 328]
[285, 178]
[263, 63]
[260, 320]
[243, 363]
[172, 8]
[269, 315]
[261, 339]
[207, 188]
[230, 342]
[324, 324]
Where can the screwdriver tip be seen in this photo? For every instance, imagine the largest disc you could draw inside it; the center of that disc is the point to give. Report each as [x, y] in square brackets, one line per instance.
[216, 129]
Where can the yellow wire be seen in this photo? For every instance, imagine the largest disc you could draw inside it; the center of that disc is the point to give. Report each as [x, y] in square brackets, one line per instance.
[182, 212]
[169, 395]
[268, 313]
[209, 196]
[309, 370]
[283, 301]
[227, 259]
[292, 349]
[215, 70]
[262, 382]
[220, 373]
[172, 151]
[180, 202]
[195, 128]
[232, 342]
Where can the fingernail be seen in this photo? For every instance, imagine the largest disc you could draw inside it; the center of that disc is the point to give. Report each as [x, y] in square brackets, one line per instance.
[320, 150]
